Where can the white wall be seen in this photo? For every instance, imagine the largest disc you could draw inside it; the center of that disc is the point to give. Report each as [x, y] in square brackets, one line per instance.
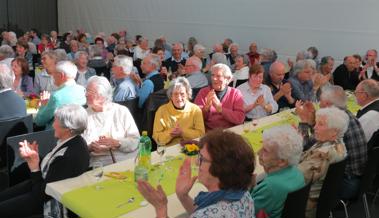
[335, 27]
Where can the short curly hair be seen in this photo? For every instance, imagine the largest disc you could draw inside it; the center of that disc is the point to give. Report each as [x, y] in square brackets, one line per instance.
[233, 159]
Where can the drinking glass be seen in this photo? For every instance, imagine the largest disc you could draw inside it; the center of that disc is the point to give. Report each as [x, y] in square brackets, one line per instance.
[97, 172]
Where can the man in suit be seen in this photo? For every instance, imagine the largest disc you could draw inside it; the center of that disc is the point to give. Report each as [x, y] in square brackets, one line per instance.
[371, 68]
[346, 75]
[13, 105]
[68, 92]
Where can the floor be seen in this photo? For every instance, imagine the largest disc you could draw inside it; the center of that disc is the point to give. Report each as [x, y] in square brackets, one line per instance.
[356, 210]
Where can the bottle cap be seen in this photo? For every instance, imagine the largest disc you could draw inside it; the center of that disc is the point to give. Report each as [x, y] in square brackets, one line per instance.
[144, 133]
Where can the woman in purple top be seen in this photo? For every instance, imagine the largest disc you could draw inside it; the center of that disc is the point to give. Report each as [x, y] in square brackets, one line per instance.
[23, 83]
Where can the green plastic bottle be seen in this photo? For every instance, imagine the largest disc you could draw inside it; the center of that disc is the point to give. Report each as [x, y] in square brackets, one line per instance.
[141, 170]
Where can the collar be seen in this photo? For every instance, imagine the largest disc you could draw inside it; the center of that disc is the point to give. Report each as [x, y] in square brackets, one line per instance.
[69, 82]
[173, 59]
[4, 90]
[368, 104]
[205, 199]
[119, 81]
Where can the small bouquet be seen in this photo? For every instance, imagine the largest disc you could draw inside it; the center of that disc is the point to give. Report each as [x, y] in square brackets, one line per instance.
[190, 148]
[33, 100]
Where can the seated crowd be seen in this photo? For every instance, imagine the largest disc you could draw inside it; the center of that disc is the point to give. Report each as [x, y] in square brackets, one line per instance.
[206, 95]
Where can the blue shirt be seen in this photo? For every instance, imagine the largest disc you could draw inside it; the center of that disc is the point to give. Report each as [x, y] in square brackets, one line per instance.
[125, 90]
[146, 89]
[302, 90]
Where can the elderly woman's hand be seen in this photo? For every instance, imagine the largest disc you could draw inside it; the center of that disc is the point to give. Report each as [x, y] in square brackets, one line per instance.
[108, 142]
[306, 112]
[176, 131]
[184, 181]
[29, 151]
[156, 197]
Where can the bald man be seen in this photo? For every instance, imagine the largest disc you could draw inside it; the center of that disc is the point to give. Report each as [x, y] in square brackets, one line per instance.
[346, 75]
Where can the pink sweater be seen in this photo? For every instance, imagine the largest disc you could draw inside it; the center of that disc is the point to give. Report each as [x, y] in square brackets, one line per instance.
[232, 109]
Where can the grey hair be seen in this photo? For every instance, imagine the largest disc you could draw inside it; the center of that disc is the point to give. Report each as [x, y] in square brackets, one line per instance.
[177, 83]
[233, 44]
[371, 87]
[73, 117]
[196, 61]
[335, 119]
[103, 87]
[219, 58]
[6, 79]
[227, 73]
[155, 60]
[80, 53]
[178, 44]
[51, 54]
[301, 65]
[288, 141]
[335, 95]
[125, 62]
[198, 48]
[61, 54]
[245, 59]
[12, 38]
[68, 68]
[268, 54]
[302, 55]
[6, 51]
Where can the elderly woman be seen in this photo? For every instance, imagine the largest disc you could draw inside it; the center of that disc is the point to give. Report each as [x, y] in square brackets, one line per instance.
[45, 44]
[257, 97]
[301, 81]
[179, 119]
[222, 106]
[241, 71]
[330, 126]
[69, 158]
[22, 50]
[23, 83]
[279, 156]
[226, 165]
[112, 134]
[84, 72]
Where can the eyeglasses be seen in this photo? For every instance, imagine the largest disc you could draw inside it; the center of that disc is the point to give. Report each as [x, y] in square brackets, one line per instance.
[356, 92]
[201, 159]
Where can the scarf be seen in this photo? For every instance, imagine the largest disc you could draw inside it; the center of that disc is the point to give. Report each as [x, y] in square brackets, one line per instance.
[204, 199]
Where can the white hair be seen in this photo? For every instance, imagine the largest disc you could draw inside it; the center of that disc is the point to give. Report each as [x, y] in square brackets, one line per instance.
[73, 117]
[335, 119]
[226, 72]
[125, 62]
[103, 87]
[6, 79]
[198, 48]
[80, 53]
[288, 141]
[233, 45]
[177, 83]
[155, 60]
[301, 65]
[219, 57]
[68, 68]
[196, 61]
[335, 95]
[6, 51]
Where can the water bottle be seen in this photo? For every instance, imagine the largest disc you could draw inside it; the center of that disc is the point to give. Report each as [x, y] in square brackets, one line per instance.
[143, 163]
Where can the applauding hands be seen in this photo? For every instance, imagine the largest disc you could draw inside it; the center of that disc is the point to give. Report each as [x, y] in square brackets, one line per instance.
[29, 152]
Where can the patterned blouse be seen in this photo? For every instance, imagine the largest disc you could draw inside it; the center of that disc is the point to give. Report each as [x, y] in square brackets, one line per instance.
[236, 209]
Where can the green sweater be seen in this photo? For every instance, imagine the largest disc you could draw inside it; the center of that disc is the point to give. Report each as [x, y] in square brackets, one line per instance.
[270, 194]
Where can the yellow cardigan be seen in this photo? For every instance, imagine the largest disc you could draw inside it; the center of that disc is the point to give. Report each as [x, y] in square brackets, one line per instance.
[190, 120]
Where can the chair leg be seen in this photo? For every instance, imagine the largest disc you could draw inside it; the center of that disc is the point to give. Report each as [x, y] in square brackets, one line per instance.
[365, 204]
[330, 214]
[375, 196]
[345, 208]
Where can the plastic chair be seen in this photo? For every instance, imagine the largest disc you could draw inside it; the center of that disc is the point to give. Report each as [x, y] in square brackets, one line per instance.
[328, 195]
[17, 168]
[296, 203]
[11, 128]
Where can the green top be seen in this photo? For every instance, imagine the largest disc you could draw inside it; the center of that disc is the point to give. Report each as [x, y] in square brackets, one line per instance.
[270, 194]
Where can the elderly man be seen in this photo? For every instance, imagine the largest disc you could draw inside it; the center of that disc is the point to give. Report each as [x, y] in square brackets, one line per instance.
[346, 75]
[233, 53]
[68, 92]
[279, 156]
[326, 67]
[176, 62]
[125, 87]
[367, 96]
[142, 49]
[153, 81]
[330, 126]
[253, 53]
[354, 138]
[371, 68]
[13, 105]
[195, 77]
[280, 88]
[84, 72]
[222, 106]
[301, 81]
[6, 55]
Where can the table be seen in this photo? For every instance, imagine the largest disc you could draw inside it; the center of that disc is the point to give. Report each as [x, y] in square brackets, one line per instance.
[175, 209]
